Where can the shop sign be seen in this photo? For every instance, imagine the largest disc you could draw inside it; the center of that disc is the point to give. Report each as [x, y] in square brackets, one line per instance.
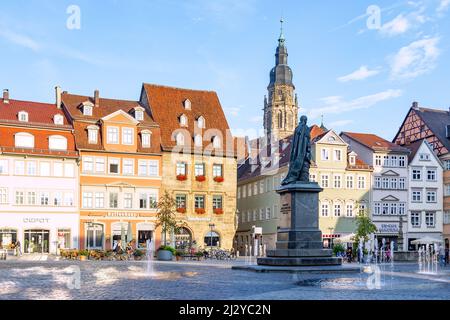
[36, 220]
[198, 219]
[123, 214]
[388, 228]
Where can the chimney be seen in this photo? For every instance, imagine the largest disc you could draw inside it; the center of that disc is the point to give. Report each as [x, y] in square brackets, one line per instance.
[58, 97]
[96, 98]
[415, 105]
[5, 96]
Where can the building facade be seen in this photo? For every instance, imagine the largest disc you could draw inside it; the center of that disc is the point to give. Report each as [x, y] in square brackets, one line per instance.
[120, 172]
[389, 184]
[199, 163]
[431, 125]
[39, 179]
[425, 201]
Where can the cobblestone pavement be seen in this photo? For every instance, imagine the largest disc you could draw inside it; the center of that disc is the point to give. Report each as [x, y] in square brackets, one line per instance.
[207, 281]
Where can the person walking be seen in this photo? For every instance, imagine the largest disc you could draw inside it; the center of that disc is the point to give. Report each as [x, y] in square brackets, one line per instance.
[441, 256]
[18, 248]
[446, 256]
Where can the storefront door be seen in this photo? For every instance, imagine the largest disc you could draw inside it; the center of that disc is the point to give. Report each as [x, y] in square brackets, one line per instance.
[36, 241]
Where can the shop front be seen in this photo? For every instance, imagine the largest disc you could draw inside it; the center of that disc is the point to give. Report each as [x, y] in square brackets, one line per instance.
[387, 232]
[39, 233]
[419, 235]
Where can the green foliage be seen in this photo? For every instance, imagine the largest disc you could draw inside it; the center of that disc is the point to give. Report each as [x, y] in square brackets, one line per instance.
[166, 216]
[338, 248]
[364, 227]
[83, 253]
[199, 254]
[138, 253]
[168, 248]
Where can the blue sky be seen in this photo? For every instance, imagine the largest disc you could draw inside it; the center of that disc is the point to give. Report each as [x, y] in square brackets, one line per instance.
[361, 79]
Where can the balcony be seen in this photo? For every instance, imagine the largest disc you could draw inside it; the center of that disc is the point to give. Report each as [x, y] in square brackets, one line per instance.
[40, 152]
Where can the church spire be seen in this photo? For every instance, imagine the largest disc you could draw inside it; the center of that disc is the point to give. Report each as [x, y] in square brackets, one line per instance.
[281, 39]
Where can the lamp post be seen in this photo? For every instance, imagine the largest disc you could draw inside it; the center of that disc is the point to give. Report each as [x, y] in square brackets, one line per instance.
[211, 226]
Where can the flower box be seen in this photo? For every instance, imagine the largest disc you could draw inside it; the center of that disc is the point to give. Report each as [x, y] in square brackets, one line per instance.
[218, 179]
[181, 177]
[181, 210]
[200, 210]
[218, 211]
[200, 178]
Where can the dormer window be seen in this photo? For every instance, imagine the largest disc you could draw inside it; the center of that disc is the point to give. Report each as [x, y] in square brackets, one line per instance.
[58, 119]
[146, 138]
[57, 143]
[183, 121]
[352, 160]
[216, 142]
[23, 116]
[92, 134]
[139, 113]
[187, 104]
[87, 108]
[180, 139]
[201, 122]
[198, 141]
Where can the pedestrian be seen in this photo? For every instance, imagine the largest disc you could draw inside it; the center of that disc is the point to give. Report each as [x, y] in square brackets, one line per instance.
[18, 248]
[446, 255]
[349, 255]
[441, 256]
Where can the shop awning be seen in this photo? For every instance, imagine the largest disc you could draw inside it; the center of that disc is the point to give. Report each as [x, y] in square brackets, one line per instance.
[346, 239]
[426, 240]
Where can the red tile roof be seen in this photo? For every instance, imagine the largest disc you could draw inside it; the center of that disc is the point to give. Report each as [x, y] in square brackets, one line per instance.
[40, 114]
[375, 142]
[167, 105]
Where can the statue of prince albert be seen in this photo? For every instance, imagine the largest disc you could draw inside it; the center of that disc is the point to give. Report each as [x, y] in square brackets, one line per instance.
[300, 160]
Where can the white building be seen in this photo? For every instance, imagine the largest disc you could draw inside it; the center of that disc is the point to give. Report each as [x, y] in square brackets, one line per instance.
[38, 178]
[390, 184]
[425, 202]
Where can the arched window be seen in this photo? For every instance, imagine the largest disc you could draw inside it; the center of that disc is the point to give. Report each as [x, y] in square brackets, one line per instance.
[280, 120]
[24, 140]
[216, 142]
[201, 122]
[58, 119]
[183, 238]
[180, 139]
[57, 143]
[23, 116]
[187, 104]
[198, 141]
[212, 239]
[183, 121]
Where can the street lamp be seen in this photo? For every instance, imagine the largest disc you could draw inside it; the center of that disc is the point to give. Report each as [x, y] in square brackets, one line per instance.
[211, 226]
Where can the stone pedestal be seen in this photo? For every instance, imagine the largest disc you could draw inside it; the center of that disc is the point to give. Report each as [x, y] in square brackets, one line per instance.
[301, 243]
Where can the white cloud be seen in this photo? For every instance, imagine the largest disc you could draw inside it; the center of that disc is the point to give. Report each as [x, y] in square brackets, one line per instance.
[362, 73]
[337, 105]
[417, 58]
[340, 123]
[19, 39]
[443, 6]
[404, 22]
[234, 111]
[256, 119]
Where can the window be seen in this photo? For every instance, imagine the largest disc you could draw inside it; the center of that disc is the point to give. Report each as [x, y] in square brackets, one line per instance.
[337, 155]
[417, 196]
[24, 140]
[352, 160]
[431, 174]
[349, 211]
[199, 202]
[19, 167]
[312, 177]
[385, 183]
[127, 136]
[99, 200]
[337, 181]
[128, 167]
[113, 200]
[394, 183]
[112, 135]
[100, 165]
[87, 199]
[349, 182]
[199, 169]
[153, 201]
[23, 116]
[401, 184]
[325, 209]
[68, 199]
[424, 157]
[377, 208]
[261, 214]
[261, 186]
[393, 209]
[198, 140]
[402, 161]
[337, 210]
[64, 238]
[57, 199]
[20, 197]
[31, 168]
[94, 235]
[181, 168]
[57, 143]
[268, 213]
[142, 201]
[446, 189]
[153, 168]
[217, 142]
[430, 219]
[385, 208]
[114, 166]
[324, 181]
[378, 160]
[181, 201]
[87, 110]
[386, 161]
[217, 170]
[416, 174]
[69, 170]
[255, 189]
[217, 202]
[447, 164]
[31, 198]
[431, 196]
[446, 217]
[139, 115]
[325, 154]
[394, 161]
[187, 104]
[3, 195]
[88, 164]
[378, 182]
[58, 169]
[128, 200]
[92, 136]
[361, 182]
[180, 139]
[201, 122]
[183, 121]
[146, 139]
[4, 166]
[415, 219]
[45, 198]
[58, 119]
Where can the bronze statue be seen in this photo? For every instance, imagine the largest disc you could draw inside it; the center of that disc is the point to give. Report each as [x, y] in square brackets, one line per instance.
[300, 160]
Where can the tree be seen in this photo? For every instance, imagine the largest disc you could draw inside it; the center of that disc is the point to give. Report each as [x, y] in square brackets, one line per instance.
[364, 227]
[166, 216]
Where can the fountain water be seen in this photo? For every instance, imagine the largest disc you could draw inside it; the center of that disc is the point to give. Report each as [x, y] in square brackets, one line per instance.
[150, 268]
[428, 260]
[360, 250]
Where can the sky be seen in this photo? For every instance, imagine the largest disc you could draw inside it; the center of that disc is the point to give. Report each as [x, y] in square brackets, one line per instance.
[360, 64]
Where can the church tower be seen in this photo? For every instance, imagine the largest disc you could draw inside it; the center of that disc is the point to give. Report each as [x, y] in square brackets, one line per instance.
[281, 106]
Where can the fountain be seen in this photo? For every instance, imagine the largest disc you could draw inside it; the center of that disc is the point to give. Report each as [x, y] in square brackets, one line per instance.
[428, 260]
[150, 268]
[360, 250]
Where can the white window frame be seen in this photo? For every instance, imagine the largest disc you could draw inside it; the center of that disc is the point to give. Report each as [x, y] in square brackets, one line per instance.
[27, 140]
[128, 136]
[57, 142]
[125, 163]
[110, 160]
[112, 132]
